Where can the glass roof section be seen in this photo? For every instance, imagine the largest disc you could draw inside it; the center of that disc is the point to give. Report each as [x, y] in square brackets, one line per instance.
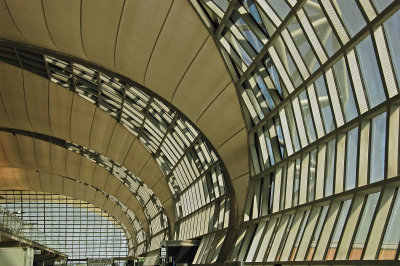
[194, 172]
[82, 230]
[319, 84]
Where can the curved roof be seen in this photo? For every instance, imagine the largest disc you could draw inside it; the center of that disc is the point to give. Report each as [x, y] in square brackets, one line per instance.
[198, 97]
[251, 110]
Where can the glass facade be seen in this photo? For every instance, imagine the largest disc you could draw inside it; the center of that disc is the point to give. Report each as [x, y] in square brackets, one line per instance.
[79, 229]
[318, 85]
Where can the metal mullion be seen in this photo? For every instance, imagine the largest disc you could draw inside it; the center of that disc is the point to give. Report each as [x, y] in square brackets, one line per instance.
[255, 89]
[328, 19]
[390, 57]
[333, 59]
[225, 18]
[224, 44]
[325, 56]
[313, 231]
[267, 14]
[215, 201]
[380, 63]
[396, 195]
[239, 34]
[210, 168]
[286, 232]
[99, 92]
[237, 41]
[287, 41]
[307, 37]
[331, 77]
[272, 236]
[305, 218]
[313, 119]
[335, 224]
[250, 22]
[18, 57]
[299, 122]
[373, 220]
[270, 42]
[145, 114]
[184, 154]
[169, 129]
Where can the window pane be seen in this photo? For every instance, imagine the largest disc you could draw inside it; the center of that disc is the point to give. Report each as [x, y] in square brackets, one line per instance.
[311, 175]
[325, 107]
[345, 90]
[338, 230]
[321, 27]
[351, 158]
[392, 29]
[370, 72]
[377, 159]
[308, 121]
[351, 16]
[330, 167]
[363, 227]
[392, 236]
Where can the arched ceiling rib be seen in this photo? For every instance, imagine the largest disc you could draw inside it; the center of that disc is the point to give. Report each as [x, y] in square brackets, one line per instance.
[46, 108]
[186, 158]
[22, 179]
[167, 49]
[21, 151]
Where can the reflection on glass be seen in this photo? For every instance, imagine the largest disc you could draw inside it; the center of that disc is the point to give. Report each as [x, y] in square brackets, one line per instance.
[265, 92]
[370, 72]
[292, 127]
[338, 230]
[252, 9]
[283, 187]
[345, 90]
[324, 104]
[392, 29]
[351, 16]
[330, 167]
[296, 184]
[391, 239]
[287, 62]
[280, 7]
[303, 45]
[321, 26]
[308, 120]
[317, 233]
[351, 158]
[363, 227]
[378, 144]
[246, 31]
[311, 175]
[300, 234]
[381, 4]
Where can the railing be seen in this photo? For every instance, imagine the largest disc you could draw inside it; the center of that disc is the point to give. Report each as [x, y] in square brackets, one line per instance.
[11, 223]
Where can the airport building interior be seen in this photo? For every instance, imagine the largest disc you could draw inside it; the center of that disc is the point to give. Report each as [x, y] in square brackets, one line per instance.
[188, 132]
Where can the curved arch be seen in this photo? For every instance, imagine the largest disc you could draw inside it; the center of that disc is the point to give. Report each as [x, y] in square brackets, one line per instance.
[170, 41]
[194, 156]
[23, 151]
[68, 113]
[31, 180]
